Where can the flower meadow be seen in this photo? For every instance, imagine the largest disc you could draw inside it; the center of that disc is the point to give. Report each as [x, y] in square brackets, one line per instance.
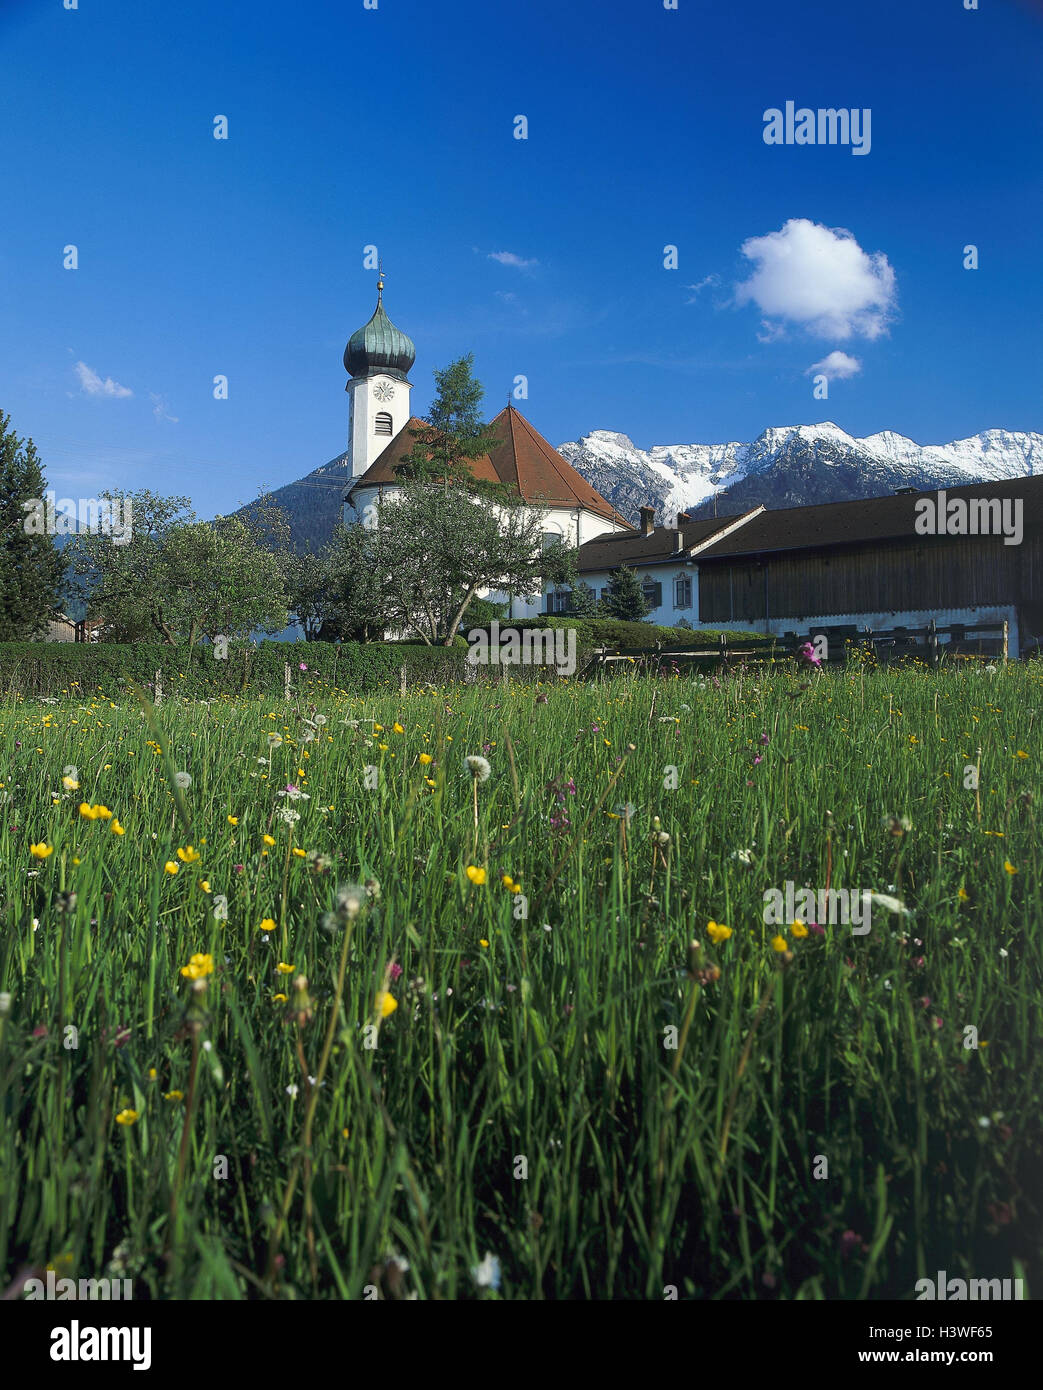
[470, 992]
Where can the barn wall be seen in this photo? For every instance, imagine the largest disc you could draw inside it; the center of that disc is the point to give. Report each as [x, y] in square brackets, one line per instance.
[943, 573]
[881, 621]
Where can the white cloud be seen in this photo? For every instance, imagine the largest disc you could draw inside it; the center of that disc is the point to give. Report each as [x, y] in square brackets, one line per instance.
[507, 296]
[706, 280]
[92, 385]
[820, 279]
[509, 258]
[159, 408]
[837, 366]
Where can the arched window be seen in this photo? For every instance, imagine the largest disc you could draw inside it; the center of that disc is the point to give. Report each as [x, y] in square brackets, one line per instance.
[550, 539]
[382, 424]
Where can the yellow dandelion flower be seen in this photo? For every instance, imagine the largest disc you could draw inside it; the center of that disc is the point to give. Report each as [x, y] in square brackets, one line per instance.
[778, 943]
[41, 851]
[483, 943]
[477, 876]
[1019, 754]
[279, 999]
[127, 1117]
[300, 853]
[386, 1003]
[397, 729]
[152, 1073]
[963, 895]
[383, 747]
[204, 884]
[188, 855]
[267, 925]
[718, 932]
[426, 758]
[70, 784]
[173, 1095]
[233, 820]
[284, 969]
[199, 966]
[116, 828]
[267, 839]
[1009, 867]
[799, 930]
[170, 867]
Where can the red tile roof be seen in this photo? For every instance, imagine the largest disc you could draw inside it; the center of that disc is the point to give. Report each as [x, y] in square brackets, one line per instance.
[522, 459]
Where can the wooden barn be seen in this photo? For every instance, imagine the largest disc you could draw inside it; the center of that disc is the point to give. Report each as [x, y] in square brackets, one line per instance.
[968, 555]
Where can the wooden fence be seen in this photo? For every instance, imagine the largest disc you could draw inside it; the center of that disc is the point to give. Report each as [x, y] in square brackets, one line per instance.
[977, 641]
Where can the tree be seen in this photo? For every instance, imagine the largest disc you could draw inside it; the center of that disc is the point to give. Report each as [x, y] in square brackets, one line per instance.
[308, 583]
[30, 565]
[583, 603]
[355, 585]
[452, 435]
[624, 598]
[122, 584]
[181, 578]
[435, 545]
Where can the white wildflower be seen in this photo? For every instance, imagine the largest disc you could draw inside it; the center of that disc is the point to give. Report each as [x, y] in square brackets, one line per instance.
[487, 1274]
[888, 903]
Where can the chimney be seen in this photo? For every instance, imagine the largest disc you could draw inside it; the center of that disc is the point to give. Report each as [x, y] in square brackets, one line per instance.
[647, 520]
[679, 543]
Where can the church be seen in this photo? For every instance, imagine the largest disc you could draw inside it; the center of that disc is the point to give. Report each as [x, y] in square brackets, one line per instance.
[378, 359]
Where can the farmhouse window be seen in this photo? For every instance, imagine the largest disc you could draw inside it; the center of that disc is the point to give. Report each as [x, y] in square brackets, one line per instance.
[683, 591]
[653, 593]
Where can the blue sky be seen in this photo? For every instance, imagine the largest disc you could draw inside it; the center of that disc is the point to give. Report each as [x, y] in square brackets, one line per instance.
[544, 257]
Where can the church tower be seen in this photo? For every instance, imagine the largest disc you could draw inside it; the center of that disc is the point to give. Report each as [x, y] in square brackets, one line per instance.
[377, 360]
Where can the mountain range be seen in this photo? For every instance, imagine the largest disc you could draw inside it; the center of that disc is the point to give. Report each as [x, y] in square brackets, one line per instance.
[790, 466]
[785, 466]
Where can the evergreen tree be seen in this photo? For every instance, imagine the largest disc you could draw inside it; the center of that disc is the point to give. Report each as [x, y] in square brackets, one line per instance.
[583, 603]
[624, 598]
[452, 435]
[30, 565]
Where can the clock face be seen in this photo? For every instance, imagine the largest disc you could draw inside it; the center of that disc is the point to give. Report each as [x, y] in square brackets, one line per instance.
[384, 391]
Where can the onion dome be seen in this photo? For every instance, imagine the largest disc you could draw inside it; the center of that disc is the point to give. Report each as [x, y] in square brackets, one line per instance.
[380, 346]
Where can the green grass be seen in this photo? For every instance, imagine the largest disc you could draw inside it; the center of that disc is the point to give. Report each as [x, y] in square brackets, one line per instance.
[523, 1098]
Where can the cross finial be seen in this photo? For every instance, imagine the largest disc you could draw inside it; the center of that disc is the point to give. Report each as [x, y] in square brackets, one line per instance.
[380, 277]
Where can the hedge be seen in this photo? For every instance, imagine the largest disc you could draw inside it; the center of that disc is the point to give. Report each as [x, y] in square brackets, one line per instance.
[51, 669]
[614, 632]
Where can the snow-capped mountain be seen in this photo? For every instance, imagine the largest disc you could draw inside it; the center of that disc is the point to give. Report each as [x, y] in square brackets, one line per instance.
[790, 466]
